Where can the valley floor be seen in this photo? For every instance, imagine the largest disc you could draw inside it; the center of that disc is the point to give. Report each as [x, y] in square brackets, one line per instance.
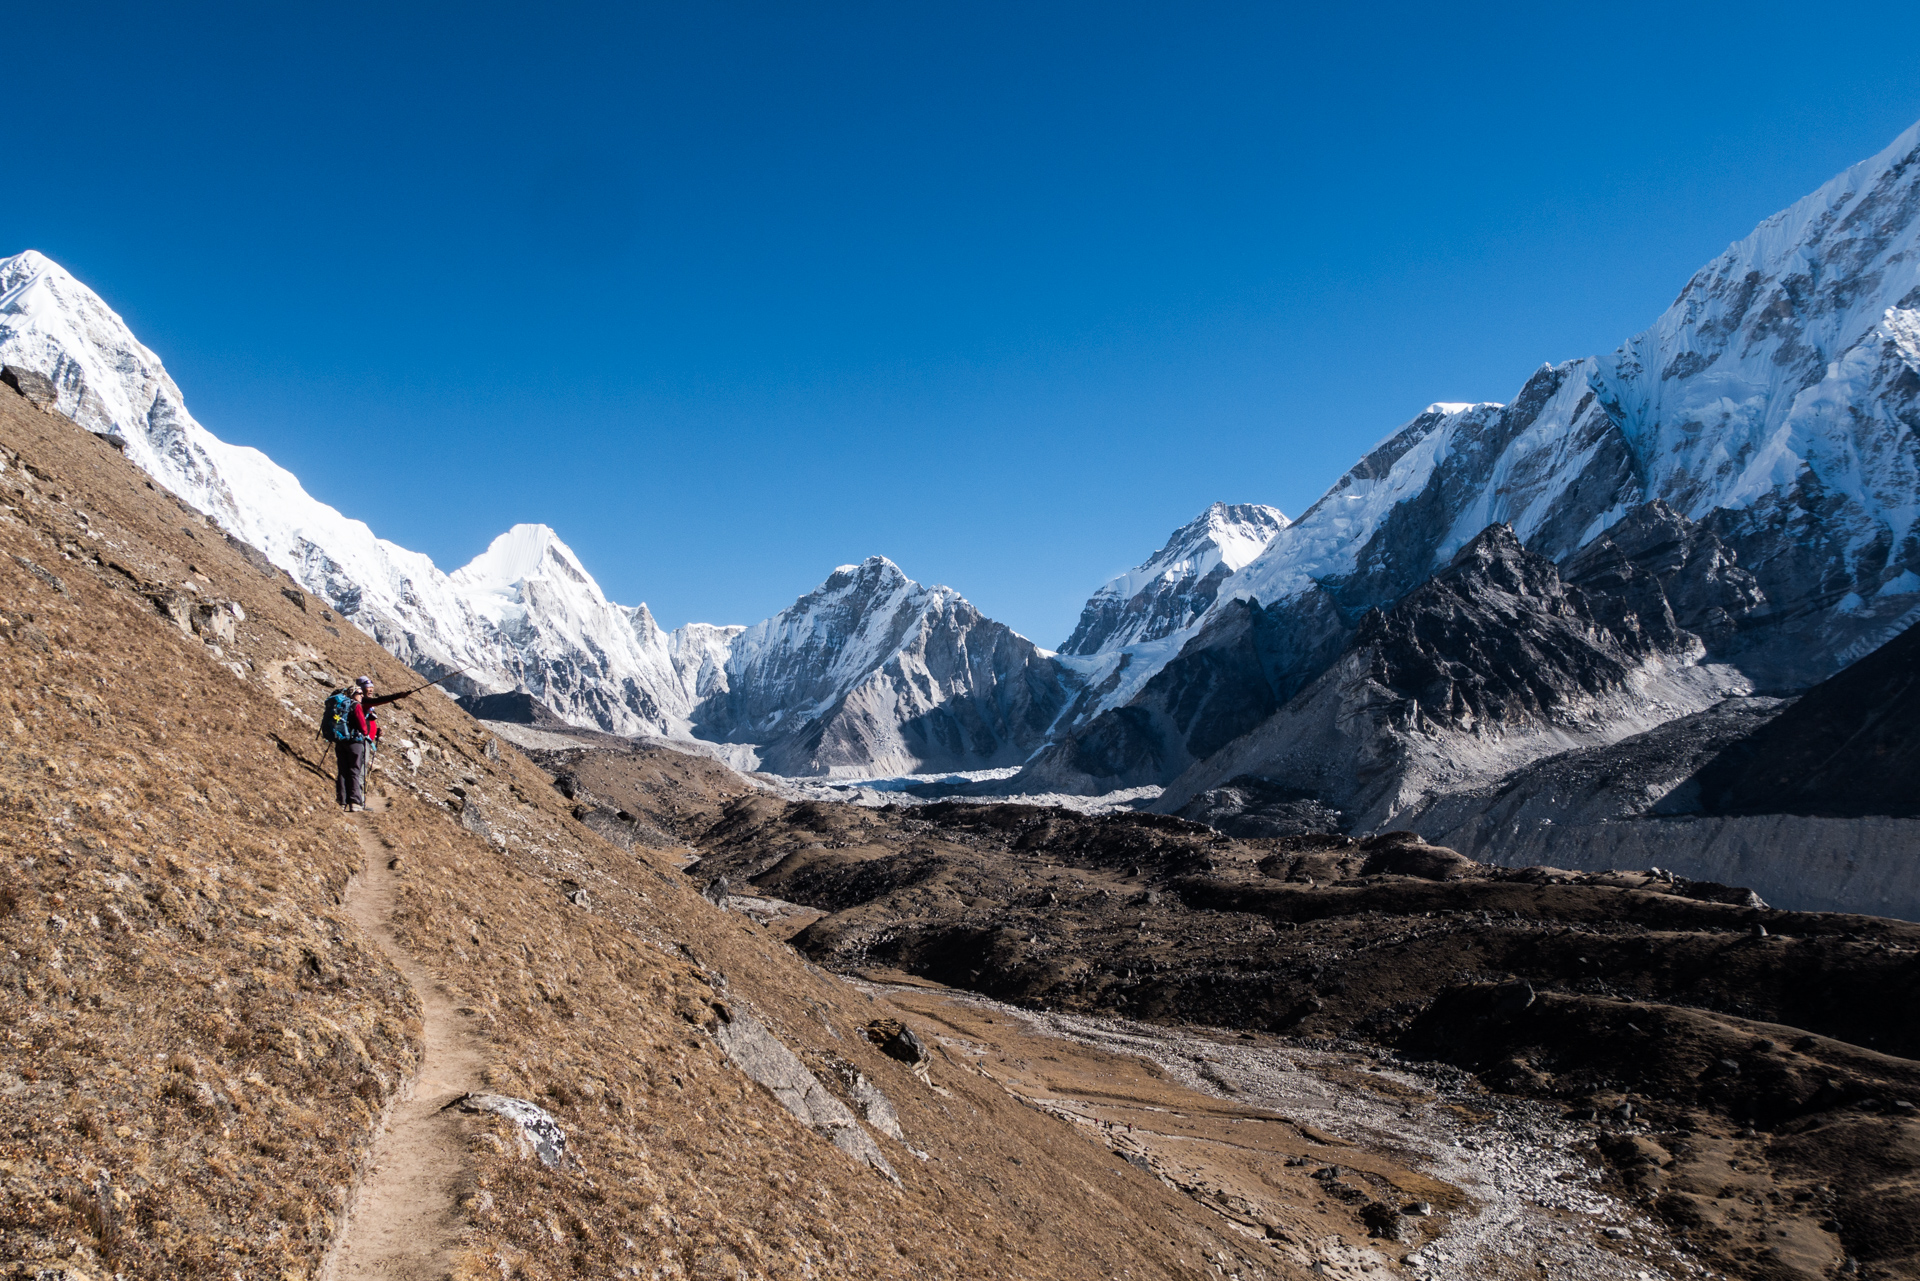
[1284, 1140]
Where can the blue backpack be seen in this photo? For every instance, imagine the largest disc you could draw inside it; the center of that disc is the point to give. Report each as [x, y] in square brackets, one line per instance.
[336, 721]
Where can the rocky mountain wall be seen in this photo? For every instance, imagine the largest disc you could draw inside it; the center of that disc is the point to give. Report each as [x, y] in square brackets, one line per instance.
[1492, 663]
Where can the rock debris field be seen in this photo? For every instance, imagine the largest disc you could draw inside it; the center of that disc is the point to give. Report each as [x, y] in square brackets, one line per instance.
[1518, 1198]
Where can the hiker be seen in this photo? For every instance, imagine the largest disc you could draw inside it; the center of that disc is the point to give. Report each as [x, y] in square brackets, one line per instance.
[355, 732]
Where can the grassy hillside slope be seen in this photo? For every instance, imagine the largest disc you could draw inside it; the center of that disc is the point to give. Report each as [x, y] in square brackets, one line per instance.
[200, 1040]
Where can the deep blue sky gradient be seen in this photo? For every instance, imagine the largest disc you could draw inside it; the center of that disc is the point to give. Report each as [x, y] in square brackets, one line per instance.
[730, 294]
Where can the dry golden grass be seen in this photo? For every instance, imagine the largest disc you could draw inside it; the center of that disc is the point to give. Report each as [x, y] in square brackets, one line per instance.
[199, 1043]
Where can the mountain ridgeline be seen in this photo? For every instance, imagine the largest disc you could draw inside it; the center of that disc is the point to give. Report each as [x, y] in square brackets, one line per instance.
[873, 673]
[1722, 507]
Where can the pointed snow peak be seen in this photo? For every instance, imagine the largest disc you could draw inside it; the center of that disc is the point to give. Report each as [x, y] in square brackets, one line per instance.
[875, 573]
[523, 552]
[25, 268]
[1238, 531]
[1169, 590]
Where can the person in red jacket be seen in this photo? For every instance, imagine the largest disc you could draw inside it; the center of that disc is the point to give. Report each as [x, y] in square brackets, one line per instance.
[365, 742]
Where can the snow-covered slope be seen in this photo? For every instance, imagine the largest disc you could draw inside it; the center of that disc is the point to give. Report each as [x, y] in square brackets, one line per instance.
[111, 384]
[560, 639]
[1777, 401]
[524, 614]
[1178, 582]
[872, 673]
[700, 657]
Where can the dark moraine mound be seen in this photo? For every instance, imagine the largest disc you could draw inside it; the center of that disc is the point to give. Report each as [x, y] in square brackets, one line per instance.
[1749, 1074]
[516, 708]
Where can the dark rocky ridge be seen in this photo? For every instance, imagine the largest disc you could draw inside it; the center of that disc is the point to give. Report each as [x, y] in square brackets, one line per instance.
[1493, 661]
[1725, 1031]
[1813, 800]
[1656, 583]
[1700, 585]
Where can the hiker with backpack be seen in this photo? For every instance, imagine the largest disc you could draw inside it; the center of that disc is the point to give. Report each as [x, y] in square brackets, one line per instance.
[354, 730]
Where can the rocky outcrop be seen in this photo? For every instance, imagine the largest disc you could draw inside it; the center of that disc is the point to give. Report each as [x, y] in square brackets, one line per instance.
[1252, 808]
[37, 388]
[537, 1133]
[1495, 662]
[759, 1053]
[1655, 551]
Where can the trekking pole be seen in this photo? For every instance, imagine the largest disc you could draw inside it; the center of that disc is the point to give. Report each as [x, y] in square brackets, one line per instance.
[436, 680]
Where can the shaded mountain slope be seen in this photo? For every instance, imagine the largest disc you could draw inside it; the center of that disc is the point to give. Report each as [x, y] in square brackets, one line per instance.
[201, 1042]
[1848, 747]
[1493, 662]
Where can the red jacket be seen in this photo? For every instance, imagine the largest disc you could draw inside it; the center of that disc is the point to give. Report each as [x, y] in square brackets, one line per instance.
[363, 722]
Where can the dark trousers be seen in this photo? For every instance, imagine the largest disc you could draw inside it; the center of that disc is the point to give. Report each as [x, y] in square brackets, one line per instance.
[350, 773]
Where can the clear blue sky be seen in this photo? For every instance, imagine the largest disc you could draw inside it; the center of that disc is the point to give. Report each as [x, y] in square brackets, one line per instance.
[730, 294]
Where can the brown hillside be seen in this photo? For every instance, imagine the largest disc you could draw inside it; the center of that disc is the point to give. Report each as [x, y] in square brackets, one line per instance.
[203, 1025]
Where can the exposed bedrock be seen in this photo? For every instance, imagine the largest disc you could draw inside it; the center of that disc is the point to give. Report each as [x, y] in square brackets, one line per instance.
[1495, 662]
[1814, 802]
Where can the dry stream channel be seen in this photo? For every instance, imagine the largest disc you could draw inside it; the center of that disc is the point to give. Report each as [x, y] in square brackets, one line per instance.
[1271, 1134]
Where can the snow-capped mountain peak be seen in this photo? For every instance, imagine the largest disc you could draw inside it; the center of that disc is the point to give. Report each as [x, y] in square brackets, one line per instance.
[872, 672]
[593, 662]
[1774, 407]
[1178, 582]
[110, 383]
[519, 554]
[1774, 400]
[524, 614]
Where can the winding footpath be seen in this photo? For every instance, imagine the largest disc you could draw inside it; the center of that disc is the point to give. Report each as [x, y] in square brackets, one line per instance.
[402, 1223]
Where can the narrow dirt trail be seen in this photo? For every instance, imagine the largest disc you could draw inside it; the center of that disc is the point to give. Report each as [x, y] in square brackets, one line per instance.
[402, 1224]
